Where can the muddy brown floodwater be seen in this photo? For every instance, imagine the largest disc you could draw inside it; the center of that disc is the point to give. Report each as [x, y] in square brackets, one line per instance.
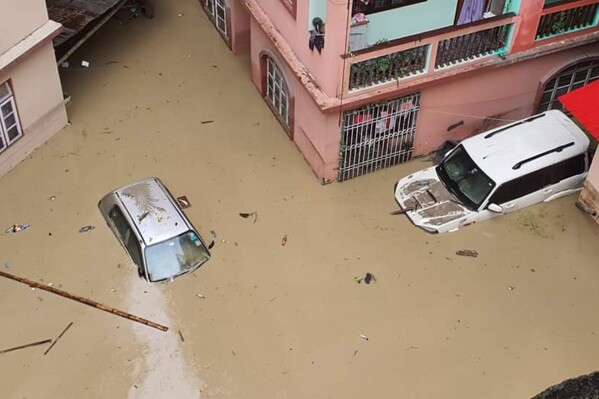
[274, 321]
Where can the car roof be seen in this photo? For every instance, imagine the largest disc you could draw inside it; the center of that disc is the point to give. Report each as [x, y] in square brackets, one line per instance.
[152, 210]
[527, 145]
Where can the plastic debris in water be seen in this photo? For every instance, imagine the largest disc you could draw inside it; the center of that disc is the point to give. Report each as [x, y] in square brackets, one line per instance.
[6, 264]
[364, 337]
[213, 233]
[284, 240]
[87, 228]
[15, 228]
[200, 296]
[368, 278]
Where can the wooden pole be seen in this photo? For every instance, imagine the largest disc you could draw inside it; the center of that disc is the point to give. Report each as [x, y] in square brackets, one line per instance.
[57, 338]
[85, 301]
[46, 341]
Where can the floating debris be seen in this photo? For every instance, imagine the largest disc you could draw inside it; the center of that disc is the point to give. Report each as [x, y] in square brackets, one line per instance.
[284, 240]
[213, 233]
[184, 202]
[87, 228]
[57, 338]
[200, 296]
[364, 337]
[247, 215]
[46, 341]
[467, 252]
[15, 228]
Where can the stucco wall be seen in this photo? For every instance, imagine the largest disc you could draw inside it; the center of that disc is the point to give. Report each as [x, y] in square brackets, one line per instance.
[325, 67]
[18, 18]
[38, 96]
[509, 93]
[315, 134]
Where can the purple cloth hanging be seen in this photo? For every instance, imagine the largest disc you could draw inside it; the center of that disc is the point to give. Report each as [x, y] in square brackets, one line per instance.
[472, 10]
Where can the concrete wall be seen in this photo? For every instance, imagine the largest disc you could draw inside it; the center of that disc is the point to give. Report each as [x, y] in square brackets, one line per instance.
[315, 134]
[240, 28]
[590, 192]
[18, 18]
[510, 93]
[38, 96]
[410, 20]
[326, 67]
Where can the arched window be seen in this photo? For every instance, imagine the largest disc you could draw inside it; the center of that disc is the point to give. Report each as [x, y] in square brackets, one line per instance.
[277, 93]
[569, 79]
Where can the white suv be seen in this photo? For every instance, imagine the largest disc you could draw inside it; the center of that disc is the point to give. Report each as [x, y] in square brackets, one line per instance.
[534, 160]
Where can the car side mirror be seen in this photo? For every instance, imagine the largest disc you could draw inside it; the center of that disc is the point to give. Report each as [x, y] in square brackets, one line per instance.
[495, 208]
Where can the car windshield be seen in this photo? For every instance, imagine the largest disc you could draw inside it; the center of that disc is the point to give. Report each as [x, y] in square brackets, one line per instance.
[176, 256]
[464, 179]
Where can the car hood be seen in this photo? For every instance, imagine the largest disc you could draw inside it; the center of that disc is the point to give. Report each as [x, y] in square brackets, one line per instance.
[427, 202]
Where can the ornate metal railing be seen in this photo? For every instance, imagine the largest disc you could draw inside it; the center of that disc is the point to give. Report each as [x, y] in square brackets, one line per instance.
[388, 67]
[560, 22]
[470, 46]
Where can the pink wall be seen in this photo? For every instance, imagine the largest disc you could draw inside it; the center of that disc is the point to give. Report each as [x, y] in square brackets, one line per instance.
[316, 134]
[326, 67]
[509, 92]
[530, 15]
[240, 31]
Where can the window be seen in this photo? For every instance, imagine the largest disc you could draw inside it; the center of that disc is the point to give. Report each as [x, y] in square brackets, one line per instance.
[119, 221]
[535, 181]
[464, 179]
[218, 11]
[474, 10]
[567, 80]
[127, 236]
[10, 126]
[277, 93]
[372, 6]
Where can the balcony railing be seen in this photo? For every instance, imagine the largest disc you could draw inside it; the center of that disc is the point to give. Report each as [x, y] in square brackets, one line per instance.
[564, 21]
[470, 46]
[427, 52]
[388, 67]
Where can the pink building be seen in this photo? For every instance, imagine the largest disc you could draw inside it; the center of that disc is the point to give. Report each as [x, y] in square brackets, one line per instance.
[360, 85]
[31, 100]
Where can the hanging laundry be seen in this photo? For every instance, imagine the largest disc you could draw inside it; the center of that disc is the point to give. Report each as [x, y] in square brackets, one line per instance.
[316, 41]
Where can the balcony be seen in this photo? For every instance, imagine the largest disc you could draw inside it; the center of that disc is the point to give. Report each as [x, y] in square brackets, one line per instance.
[428, 52]
[559, 20]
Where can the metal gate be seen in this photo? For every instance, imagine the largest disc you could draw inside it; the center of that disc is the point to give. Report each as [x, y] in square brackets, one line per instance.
[378, 136]
[218, 11]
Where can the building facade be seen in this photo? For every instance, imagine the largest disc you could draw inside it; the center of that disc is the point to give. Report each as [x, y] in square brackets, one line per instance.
[360, 85]
[31, 100]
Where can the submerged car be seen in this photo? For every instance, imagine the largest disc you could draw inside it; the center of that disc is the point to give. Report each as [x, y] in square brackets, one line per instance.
[152, 228]
[533, 160]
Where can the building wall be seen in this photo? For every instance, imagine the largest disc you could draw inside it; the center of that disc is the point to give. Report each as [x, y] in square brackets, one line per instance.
[326, 67]
[314, 133]
[18, 18]
[506, 93]
[590, 192]
[41, 115]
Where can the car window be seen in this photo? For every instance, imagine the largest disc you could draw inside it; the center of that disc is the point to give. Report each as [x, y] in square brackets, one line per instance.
[119, 221]
[568, 168]
[522, 186]
[134, 248]
[126, 234]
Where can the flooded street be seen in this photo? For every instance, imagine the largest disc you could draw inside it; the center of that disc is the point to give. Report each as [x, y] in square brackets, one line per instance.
[166, 98]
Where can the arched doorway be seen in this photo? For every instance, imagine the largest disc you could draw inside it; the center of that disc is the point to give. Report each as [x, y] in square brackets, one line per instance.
[277, 93]
[571, 78]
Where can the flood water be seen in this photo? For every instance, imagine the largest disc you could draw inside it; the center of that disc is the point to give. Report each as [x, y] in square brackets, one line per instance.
[275, 321]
